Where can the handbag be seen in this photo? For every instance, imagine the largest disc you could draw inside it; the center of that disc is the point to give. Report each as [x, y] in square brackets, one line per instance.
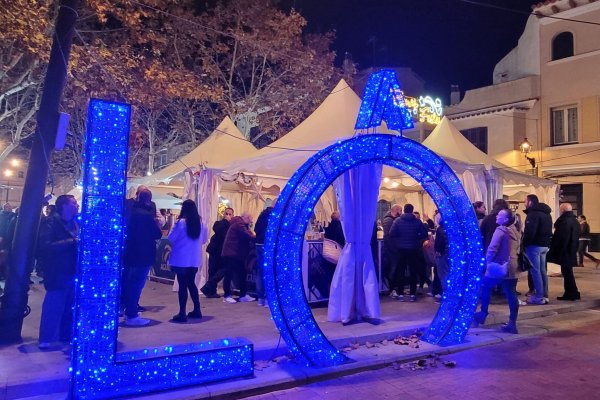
[496, 270]
[523, 262]
[331, 250]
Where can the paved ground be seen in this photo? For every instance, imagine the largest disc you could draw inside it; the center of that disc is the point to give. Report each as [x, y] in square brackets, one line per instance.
[561, 365]
[26, 371]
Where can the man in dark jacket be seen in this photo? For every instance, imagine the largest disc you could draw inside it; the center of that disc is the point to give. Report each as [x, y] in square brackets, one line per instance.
[584, 241]
[214, 249]
[139, 254]
[536, 241]
[441, 260]
[563, 250]
[407, 234]
[236, 248]
[260, 229]
[58, 248]
[6, 218]
[389, 256]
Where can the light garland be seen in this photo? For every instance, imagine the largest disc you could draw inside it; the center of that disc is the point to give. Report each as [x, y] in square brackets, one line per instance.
[97, 370]
[287, 225]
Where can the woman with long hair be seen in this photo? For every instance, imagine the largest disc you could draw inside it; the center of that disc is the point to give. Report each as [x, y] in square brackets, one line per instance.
[187, 237]
[503, 250]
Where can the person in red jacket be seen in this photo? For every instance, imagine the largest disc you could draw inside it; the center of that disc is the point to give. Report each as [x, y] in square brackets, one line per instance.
[236, 248]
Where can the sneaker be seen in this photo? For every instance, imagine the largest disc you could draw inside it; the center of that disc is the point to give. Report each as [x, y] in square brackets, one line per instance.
[429, 294]
[261, 302]
[246, 299]
[546, 300]
[413, 298]
[44, 345]
[141, 309]
[229, 299]
[394, 294]
[536, 301]
[137, 321]
[438, 296]
[530, 293]
[400, 297]
[522, 303]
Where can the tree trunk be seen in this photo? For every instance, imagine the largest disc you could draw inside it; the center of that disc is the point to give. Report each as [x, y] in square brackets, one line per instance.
[14, 302]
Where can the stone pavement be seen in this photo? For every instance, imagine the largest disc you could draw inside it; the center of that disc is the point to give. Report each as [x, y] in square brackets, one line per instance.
[26, 371]
[561, 365]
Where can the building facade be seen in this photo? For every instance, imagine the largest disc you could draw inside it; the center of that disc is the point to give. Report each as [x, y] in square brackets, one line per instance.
[546, 90]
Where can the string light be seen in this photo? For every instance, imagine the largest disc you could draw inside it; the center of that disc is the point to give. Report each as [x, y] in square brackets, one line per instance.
[97, 371]
[287, 225]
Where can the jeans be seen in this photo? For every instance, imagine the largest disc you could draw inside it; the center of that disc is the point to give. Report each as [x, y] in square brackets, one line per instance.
[234, 270]
[510, 290]
[539, 272]
[442, 269]
[134, 279]
[260, 271]
[185, 277]
[57, 315]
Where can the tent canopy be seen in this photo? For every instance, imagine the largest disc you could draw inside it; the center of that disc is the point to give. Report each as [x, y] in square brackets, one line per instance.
[447, 141]
[224, 145]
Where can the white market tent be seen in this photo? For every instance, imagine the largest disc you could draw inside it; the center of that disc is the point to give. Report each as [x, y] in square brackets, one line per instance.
[485, 178]
[224, 145]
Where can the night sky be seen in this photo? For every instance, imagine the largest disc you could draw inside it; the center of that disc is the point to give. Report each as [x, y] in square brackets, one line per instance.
[444, 41]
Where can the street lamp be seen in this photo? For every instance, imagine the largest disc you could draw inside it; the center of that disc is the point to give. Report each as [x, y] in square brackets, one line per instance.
[8, 173]
[15, 163]
[526, 147]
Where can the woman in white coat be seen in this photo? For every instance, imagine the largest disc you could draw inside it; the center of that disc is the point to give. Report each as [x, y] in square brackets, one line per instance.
[187, 237]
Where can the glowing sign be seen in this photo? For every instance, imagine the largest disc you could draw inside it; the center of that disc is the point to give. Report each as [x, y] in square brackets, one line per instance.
[425, 109]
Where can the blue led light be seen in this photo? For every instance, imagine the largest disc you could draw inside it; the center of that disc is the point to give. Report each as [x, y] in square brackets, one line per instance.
[285, 235]
[383, 100]
[97, 371]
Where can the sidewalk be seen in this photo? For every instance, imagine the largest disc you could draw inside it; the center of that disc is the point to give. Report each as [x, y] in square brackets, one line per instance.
[25, 371]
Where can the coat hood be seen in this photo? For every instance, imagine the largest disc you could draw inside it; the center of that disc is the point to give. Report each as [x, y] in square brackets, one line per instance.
[542, 207]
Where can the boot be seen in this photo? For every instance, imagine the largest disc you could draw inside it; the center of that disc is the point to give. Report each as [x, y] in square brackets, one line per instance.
[510, 327]
[479, 318]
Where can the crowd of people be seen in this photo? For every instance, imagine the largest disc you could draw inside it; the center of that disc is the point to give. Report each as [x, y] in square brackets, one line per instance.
[415, 254]
[512, 247]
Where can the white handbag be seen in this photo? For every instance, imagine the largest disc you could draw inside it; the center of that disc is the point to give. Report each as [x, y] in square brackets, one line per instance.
[331, 250]
[496, 270]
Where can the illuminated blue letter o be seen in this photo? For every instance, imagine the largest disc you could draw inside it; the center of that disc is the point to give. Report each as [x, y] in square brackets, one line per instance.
[285, 235]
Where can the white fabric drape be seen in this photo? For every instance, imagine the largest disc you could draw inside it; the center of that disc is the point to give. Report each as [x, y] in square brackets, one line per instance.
[207, 201]
[354, 293]
[203, 187]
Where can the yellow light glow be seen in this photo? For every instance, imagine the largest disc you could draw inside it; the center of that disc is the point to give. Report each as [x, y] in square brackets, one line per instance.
[386, 179]
[8, 173]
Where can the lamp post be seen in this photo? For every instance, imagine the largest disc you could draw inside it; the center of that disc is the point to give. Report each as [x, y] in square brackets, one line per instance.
[526, 147]
[7, 174]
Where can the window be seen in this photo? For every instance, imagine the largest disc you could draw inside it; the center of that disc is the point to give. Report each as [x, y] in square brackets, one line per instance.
[477, 136]
[161, 159]
[562, 46]
[563, 125]
[572, 194]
